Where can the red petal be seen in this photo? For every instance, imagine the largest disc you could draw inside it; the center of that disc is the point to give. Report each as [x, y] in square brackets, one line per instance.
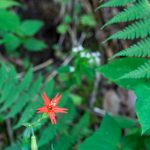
[52, 117]
[56, 99]
[42, 109]
[46, 99]
[60, 110]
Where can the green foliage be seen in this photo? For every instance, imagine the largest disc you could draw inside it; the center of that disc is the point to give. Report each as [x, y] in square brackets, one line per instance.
[115, 70]
[7, 4]
[139, 29]
[134, 12]
[24, 95]
[76, 134]
[11, 42]
[82, 68]
[33, 44]
[62, 28]
[9, 21]
[142, 71]
[109, 136]
[31, 27]
[132, 73]
[140, 49]
[105, 138]
[16, 96]
[142, 106]
[88, 20]
[15, 32]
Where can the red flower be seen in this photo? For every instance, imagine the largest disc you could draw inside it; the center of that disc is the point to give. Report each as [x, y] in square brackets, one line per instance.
[51, 107]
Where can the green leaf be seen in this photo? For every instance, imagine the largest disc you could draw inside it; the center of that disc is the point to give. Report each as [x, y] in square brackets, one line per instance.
[30, 27]
[125, 122]
[76, 99]
[33, 44]
[3, 77]
[8, 82]
[67, 19]
[6, 4]
[62, 28]
[29, 112]
[118, 68]
[13, 94]
[143, 106]
[24, 98]
[11, 42]
[44, 138]
[77, 133]
[105, 138]
[64, 69]
[13, 147]
[9, 21]
[88, 20]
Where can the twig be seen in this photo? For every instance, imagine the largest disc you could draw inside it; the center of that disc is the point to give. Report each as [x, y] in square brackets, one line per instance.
[66, 61]
[38, 67]
[10, 131]
[43, 65]
[99, 112]
[94, 92]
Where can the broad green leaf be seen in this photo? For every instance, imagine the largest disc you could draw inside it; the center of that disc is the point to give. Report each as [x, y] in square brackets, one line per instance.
[133, 140]
[116, 69]
[143, 106]
[11, 42]
[9, 21]
[33, 44]
[8, 3]
[30, 27]
[125, 122]
[77, 133]
[105, 138]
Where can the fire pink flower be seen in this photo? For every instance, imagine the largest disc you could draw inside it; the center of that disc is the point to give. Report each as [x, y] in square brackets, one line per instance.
[51, 107]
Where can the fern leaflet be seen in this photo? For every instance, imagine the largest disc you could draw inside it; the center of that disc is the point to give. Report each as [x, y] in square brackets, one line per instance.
[133, 12]
[142, 71]
[140, 49]
[139, 29]
[116, 3]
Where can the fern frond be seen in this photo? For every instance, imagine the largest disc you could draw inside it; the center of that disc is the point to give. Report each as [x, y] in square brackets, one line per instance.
[140, 49]
[60, 127]
[133, 12]
[116, 3]
[46, 139]
[142, 71]
[29, 111]
[12, 94]
[139, 29]
[20, 96]
[24, 98]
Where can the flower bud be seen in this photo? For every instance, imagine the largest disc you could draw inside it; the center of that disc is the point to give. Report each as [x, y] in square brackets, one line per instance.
[33, 143]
